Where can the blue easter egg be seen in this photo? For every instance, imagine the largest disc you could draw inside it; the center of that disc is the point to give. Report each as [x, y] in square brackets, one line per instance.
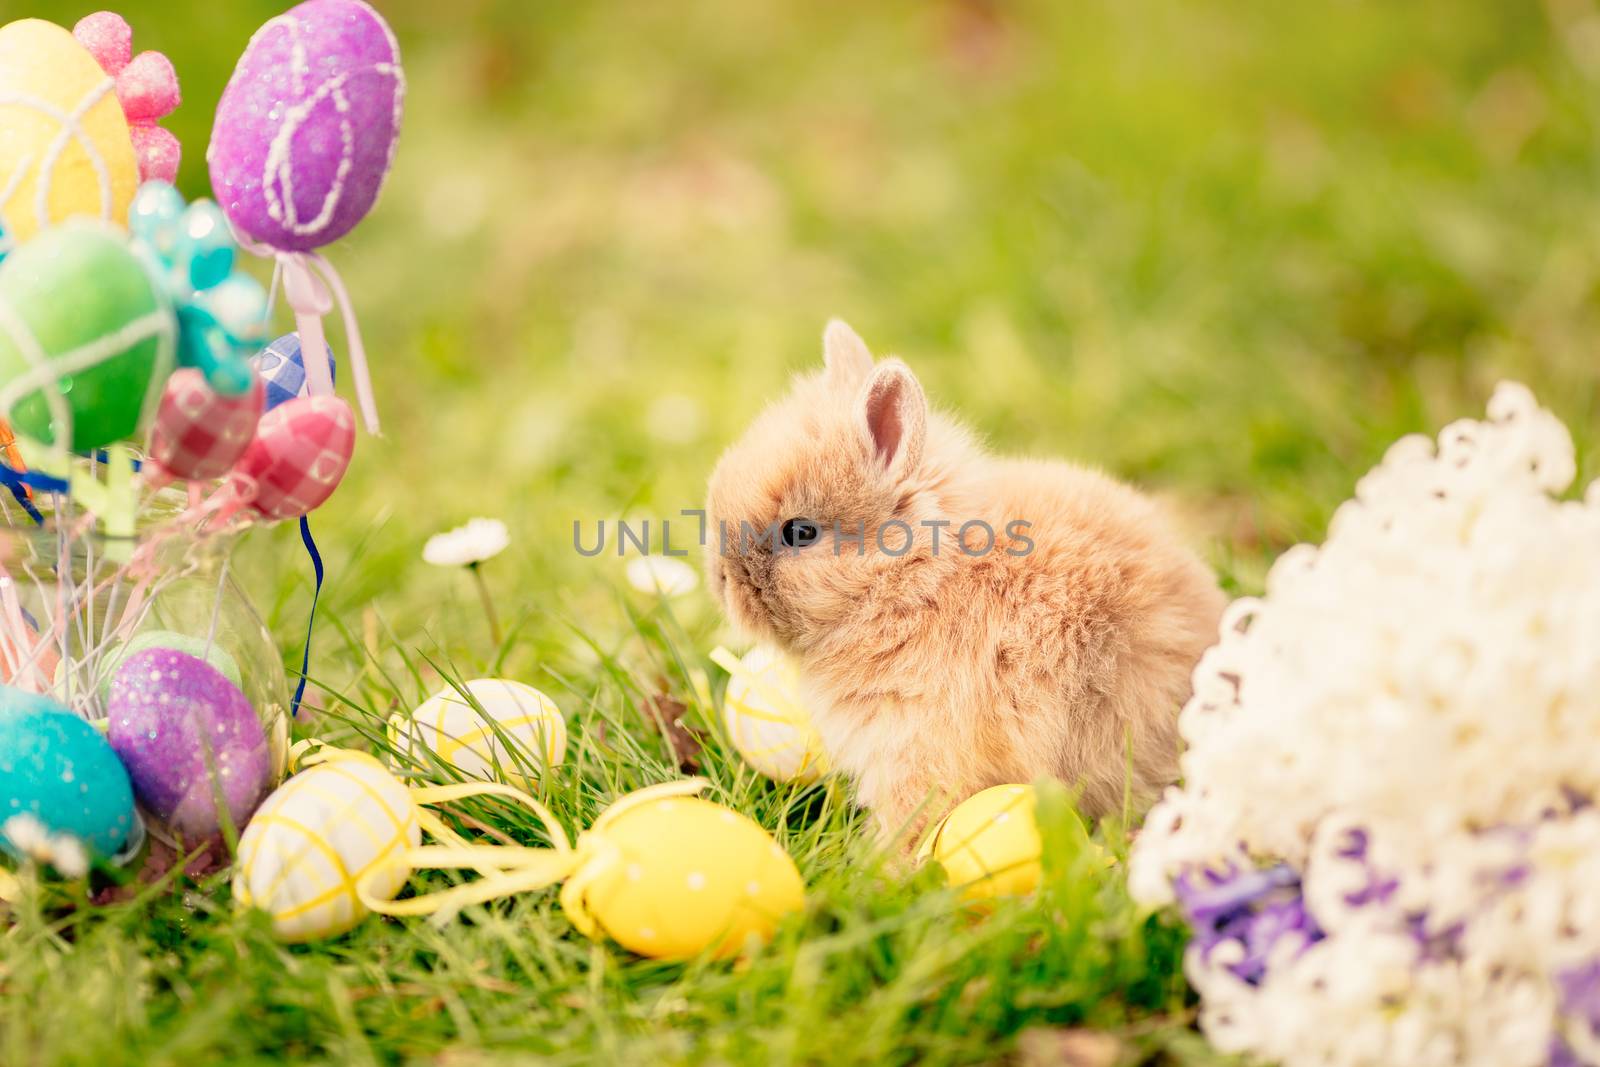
[61, 771]
[283, 370]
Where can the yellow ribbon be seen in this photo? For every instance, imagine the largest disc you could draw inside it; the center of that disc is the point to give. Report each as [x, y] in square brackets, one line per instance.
[504, 870]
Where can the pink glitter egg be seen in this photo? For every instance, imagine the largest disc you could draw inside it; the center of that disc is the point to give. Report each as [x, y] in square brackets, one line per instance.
[300, 453]
[199, 433]
[306, 128]
[190, 740]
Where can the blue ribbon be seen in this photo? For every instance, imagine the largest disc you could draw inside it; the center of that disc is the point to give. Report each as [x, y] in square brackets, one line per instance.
[311, 621]
[19, 482]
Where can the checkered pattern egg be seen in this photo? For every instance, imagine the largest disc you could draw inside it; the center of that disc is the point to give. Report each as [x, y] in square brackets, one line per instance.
[282, 368]
[199, 433]
[316, 837]
[689, 877]
[190, 740]
[57, 769]
[300, 453]
[518, 732]
[767, 722]
[65, 149]
[84, 335]
[306, 128]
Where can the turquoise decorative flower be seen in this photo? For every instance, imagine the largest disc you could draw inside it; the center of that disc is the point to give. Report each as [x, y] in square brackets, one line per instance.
[222, 312]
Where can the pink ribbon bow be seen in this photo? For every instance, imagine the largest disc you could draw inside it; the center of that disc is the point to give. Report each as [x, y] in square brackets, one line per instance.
[147, 88]
[313, 289]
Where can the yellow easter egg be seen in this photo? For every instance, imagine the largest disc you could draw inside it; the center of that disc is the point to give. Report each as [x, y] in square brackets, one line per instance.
[316, 837]
[518, 729]
[766, 720]
[678, 876]
[989, 845]
[65, 149]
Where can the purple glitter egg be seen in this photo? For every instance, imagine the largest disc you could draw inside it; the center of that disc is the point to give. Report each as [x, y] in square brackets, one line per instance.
[307, 126]
[188, 738]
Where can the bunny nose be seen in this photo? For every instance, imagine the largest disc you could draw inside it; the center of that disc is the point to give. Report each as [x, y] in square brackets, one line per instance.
[750, 563]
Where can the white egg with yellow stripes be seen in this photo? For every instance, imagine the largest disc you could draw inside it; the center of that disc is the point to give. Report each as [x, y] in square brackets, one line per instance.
[990, 845]
[765, 717]
[322, 832]
[513, 733]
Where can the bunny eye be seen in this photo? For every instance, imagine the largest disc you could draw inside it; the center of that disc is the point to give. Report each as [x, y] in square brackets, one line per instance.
[798, 533]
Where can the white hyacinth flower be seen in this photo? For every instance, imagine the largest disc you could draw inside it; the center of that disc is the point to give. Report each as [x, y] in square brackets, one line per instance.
[1387, 839]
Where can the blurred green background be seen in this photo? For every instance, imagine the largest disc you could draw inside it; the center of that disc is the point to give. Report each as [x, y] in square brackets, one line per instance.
[1230, 250]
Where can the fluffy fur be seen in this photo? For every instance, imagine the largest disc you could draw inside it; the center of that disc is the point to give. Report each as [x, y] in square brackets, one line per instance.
[934, 674]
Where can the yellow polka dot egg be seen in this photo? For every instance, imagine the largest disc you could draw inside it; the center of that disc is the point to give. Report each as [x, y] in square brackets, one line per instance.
[512, 735]
[766, 719]
[673, 877]
[316, 837]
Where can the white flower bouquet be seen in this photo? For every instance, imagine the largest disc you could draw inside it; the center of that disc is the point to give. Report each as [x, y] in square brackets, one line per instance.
[1387, 840]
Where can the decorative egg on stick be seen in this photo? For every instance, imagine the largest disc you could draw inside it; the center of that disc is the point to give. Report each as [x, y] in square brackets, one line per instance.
[304, 136]
[282, 369]
[509, 731]
[222, 312]
[87, 337]
[765, 717]
[198, 433]
[194, 748]
[65, 148]
[300, 453]
[59, 779]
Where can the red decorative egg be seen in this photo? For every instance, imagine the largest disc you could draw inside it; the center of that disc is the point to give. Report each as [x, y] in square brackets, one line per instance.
[301, 450]
[199, 433]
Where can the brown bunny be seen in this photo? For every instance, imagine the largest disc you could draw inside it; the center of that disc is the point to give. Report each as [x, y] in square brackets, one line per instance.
[935, 662]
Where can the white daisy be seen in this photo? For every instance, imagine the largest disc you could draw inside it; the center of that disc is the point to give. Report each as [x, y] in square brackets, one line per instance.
[34, 840]
[477, 541]
[662, 574]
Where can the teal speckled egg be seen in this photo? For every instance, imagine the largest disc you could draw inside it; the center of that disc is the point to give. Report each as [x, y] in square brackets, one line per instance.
[62, 771]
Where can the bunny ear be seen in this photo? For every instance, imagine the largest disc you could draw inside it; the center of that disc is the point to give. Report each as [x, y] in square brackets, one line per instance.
[894, 416]
[844, 353]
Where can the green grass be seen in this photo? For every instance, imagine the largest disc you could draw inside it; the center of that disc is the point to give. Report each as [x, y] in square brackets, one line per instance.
[1228, 250]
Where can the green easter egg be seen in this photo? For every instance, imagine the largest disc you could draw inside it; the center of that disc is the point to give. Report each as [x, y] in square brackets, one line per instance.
[76, 302]
[215, 655]
[58, 774]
